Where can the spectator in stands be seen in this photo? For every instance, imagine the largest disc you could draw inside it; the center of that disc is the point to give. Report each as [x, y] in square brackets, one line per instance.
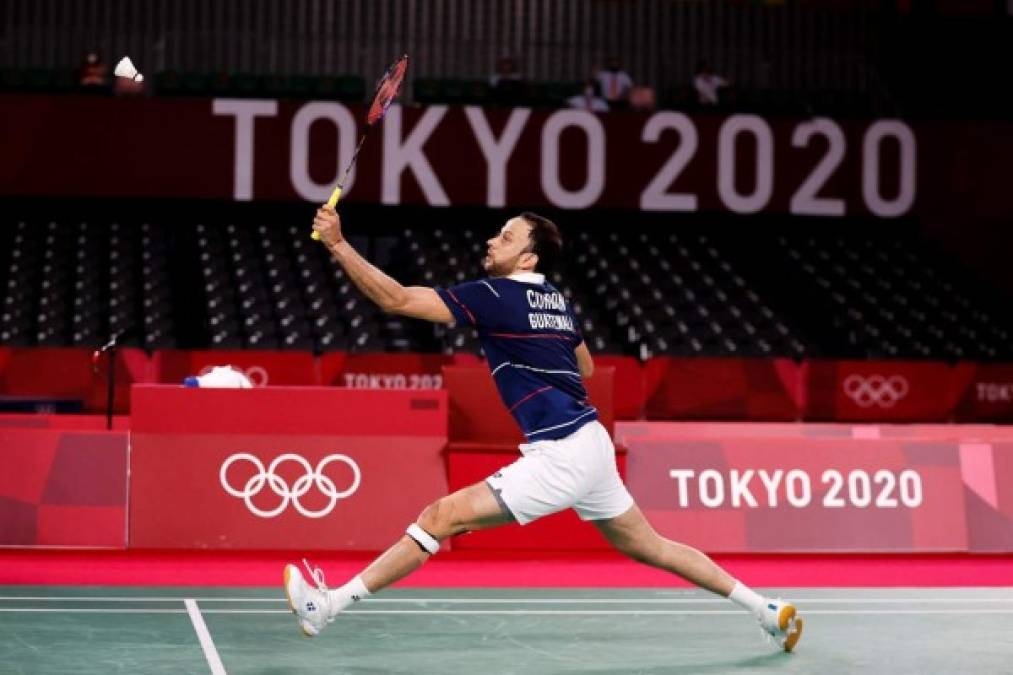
[507, 83]
[707, 84]
[125, 86]
[615, 84]
[94, 71]
[589, 98]
[642, 98]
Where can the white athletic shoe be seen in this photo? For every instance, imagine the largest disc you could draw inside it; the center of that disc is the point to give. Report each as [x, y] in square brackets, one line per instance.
[310, 604]
[782, 622]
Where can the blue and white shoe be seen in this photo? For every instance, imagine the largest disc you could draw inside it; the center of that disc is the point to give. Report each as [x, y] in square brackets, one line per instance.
[310, 604]
[783, 623]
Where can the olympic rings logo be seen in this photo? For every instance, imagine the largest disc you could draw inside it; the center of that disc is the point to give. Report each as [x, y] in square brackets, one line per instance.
[289, 494]
[875, 390]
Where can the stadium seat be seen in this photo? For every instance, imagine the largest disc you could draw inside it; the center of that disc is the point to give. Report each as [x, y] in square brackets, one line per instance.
[638, 293]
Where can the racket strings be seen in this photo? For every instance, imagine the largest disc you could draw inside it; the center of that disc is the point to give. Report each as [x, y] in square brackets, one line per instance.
[387, 90]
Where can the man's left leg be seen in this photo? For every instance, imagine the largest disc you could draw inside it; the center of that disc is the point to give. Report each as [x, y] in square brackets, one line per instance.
[631, 534]
[475, 507]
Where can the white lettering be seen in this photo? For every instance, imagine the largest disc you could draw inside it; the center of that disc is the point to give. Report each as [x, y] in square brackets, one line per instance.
[763, 171]
[595, 183]
[740, 487]
[245, 111]
[771, 481]
[798, 488]
[806, 200]
[553, 321]
[546, 301]
[497, 153]
[392, 381]
[654, 196]
[399, 155]
[711, 498]
[995, 392]
[731, 488]
[682, 477]
[874, 135]
[299, 170]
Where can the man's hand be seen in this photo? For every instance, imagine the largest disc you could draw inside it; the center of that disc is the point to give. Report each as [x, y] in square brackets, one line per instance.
[328, 225]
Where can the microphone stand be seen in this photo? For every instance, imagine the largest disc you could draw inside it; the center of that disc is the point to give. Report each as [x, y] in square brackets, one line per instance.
[109, 349]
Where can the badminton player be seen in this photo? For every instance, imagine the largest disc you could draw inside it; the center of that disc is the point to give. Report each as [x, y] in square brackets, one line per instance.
[538, 359]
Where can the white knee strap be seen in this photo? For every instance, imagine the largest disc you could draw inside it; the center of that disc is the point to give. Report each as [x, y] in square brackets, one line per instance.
[423, 538]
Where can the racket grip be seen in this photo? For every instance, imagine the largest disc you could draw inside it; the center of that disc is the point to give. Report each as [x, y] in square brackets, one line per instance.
[332, 202]
[335, 196]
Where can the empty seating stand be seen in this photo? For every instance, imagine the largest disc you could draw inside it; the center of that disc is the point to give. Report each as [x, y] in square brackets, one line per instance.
[636, 292]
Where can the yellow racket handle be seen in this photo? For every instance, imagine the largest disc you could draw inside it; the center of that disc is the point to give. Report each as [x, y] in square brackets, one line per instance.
[332, 202]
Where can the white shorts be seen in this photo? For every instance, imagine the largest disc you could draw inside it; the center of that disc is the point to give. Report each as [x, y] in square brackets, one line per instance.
[577, 472]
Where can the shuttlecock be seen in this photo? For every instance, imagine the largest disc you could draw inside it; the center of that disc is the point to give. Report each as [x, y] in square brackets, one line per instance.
[125, 68]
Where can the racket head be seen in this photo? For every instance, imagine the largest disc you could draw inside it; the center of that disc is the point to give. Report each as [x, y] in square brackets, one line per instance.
[387, 89]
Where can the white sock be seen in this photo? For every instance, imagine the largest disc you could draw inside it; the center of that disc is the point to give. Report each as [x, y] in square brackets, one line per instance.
[747, 598]
[351, 592]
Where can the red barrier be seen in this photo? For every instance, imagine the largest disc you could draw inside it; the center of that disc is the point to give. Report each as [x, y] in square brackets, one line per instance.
[64, 422]
[63, 488]
[69, 372]
[866, 391]
[261, 366]
[389, 371]
[987, 469]
[478, 416]
[984, 392]
[723, 388]
[964, 433]
[941, 488]
[662, 388]
[629, 384]
[304, 468]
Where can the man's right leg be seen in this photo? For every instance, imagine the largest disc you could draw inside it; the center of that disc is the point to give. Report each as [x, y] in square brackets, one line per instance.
[633, 535]
[475, 507]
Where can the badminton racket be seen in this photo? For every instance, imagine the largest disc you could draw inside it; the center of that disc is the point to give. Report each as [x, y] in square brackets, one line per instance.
[387, 90]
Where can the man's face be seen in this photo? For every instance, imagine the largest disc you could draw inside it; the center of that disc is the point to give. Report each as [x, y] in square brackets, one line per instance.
[508, 252]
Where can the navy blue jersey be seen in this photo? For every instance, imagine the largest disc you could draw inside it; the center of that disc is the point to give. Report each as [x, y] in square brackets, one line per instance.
[529, 334]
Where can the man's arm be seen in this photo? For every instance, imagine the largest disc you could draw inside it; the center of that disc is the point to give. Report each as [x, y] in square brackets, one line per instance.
[415, 301]
[584, 361]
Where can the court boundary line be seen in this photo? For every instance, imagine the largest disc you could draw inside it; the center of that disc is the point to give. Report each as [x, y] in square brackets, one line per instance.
[204, 635]
[505, 601]
[507, 612]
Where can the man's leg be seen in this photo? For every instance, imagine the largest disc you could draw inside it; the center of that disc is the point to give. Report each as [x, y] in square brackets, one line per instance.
[631, 534]
[472, 508]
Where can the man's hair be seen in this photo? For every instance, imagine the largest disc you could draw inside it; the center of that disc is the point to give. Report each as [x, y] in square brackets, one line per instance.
[546, 241]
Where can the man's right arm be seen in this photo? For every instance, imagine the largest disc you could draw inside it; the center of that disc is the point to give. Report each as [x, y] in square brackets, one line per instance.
[414, 301]
[585, 363]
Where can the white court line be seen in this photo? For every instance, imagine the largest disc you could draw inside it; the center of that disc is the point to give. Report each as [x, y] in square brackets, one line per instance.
[91, 610]
[516, 601]
[522, 612]
[206, 643]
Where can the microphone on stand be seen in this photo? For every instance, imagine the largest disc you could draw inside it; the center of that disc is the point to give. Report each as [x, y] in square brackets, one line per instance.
[113, 343]
[110, 348]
